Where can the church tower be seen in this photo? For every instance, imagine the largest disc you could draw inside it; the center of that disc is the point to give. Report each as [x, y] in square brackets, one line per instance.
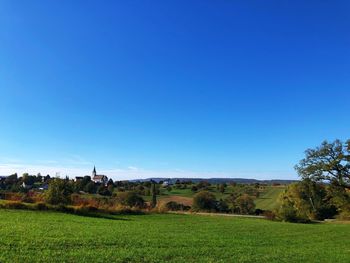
[94, 172]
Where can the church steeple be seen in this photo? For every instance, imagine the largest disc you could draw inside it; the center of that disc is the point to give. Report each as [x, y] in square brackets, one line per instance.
[94, 172]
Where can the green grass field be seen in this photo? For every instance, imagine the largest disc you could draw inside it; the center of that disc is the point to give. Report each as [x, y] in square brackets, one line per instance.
[33, 236]
[268, 199]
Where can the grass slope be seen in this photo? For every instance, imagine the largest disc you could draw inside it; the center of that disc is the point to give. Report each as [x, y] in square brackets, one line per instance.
[268, 199]
[29, 236]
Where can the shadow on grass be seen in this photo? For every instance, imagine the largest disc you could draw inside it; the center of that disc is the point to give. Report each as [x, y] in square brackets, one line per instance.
[100, 215]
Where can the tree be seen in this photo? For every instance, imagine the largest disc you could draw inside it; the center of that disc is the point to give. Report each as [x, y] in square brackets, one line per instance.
[103, 190]
[204, 200]
[245, 204]
[28, 179]
[11, 180]
[130, 199]
[194, 188]
[222, 188]
[330, 162]
[221, 206]
[232, 202]
[90, 187]
[110, 182]
[59, 192]
[47, 178]
[154, 196]
[305, 201]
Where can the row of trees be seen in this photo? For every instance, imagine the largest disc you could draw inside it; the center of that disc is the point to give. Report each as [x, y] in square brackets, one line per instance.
[60, 193]
[235, 203]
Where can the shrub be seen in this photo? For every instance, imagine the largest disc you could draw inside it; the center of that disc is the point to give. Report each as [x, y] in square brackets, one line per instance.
[259, 212]
[40, 206]
[194, 188]
[85, 210]
[174, 206]
[12, 196]
[59, 192]
[130, 199]
[245, 204]
[204, 200]
[221, 206]
[344, 213]
[14, 205]
[27, 199]
[269, 215]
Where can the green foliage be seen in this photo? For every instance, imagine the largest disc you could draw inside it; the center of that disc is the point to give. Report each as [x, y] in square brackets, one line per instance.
[305, 201]
[59, 192]
[329, 162]
[245, 204]
[174, 206]
[130, 198]
[104, 190]
[222, 188]
[154, 195]
[90, 187]
[205, 201]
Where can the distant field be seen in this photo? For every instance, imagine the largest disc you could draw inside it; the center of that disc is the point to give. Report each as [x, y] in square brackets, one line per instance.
[268, 199]
[32, 236]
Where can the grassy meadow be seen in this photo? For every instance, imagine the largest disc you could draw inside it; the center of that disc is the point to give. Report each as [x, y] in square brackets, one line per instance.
[267, 200]
[33, 236]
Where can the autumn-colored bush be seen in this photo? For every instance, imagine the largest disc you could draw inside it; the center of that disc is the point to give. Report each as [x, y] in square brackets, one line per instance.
[269, 215]
[27, 199]
[13, 196]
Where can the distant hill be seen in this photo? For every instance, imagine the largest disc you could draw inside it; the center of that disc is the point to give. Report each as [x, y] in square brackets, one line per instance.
[219, 180]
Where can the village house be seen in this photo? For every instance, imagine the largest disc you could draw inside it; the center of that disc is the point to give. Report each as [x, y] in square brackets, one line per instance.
[98, 178]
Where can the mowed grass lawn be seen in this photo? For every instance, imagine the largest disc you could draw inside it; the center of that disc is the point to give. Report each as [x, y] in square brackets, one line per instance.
[33, 236]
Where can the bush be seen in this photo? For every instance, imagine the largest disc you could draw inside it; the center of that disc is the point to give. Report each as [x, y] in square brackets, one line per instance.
[174, 206]
[130, 199]
[59, 192]
[40, 206]
[123, 210]
[259, 211]
[345, 213]
[194, 188]
[14, 205]
[85, 210]
[245, 204]
[221, 206]
[269, 215]
[27, 199]
[204, 200]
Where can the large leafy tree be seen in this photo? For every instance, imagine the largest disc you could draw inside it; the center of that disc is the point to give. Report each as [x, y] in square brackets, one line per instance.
[59, 192]
[329, 162]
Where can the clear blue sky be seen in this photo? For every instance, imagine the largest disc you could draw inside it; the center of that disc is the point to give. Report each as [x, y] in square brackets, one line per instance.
[165, 88]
